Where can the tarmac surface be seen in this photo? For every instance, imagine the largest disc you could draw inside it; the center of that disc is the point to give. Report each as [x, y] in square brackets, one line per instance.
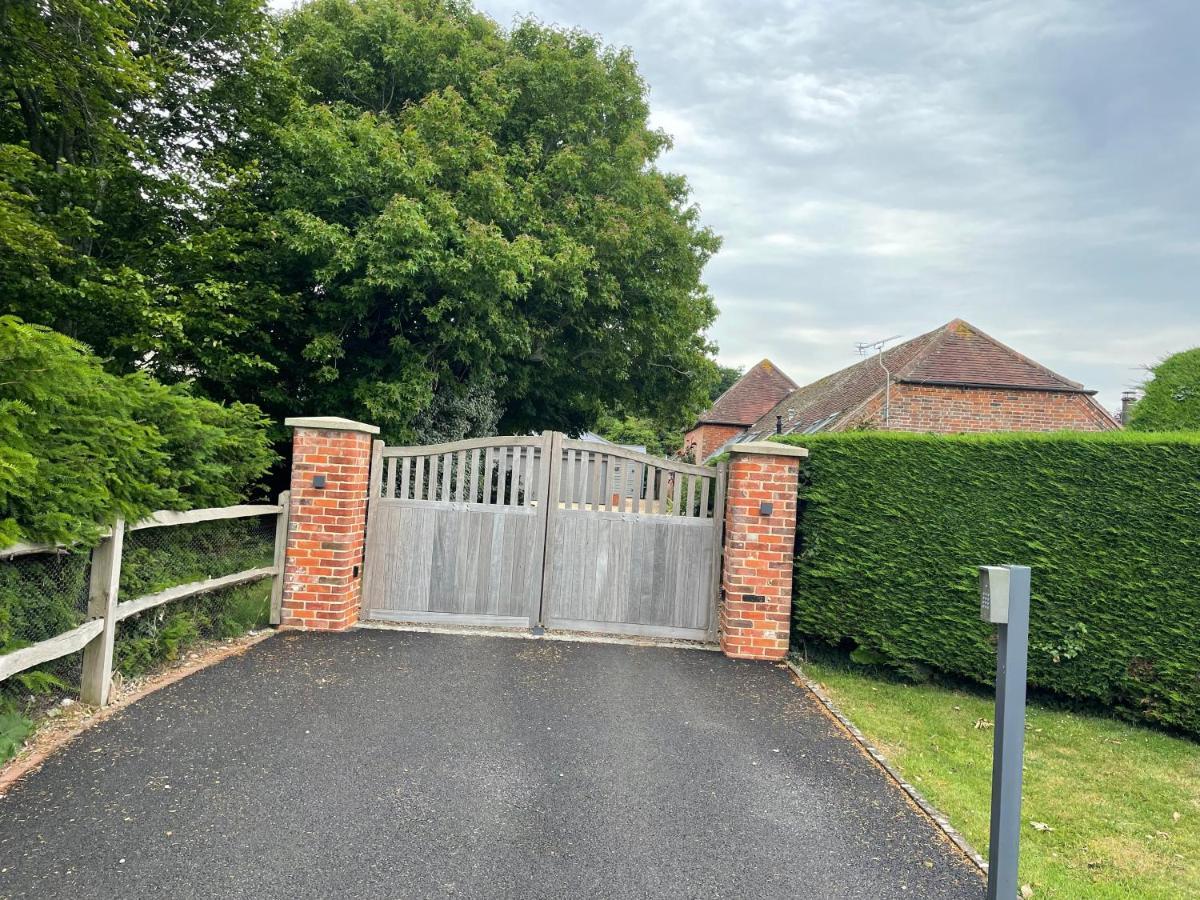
[398, 764]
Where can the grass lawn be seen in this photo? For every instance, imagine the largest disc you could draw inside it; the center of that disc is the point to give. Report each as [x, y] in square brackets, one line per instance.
[1122, 801]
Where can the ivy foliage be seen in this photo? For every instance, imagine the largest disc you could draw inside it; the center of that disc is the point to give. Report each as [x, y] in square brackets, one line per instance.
[893, 527]
[79, 446]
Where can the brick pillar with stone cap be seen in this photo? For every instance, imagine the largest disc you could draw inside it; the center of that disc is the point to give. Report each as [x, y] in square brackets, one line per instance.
[327, 519]
[760, 536]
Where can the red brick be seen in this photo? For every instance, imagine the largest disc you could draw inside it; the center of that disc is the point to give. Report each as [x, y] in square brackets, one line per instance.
[758, 557]
[326, 529]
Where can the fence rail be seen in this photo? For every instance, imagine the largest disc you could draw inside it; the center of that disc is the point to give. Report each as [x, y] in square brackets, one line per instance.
[96, 636]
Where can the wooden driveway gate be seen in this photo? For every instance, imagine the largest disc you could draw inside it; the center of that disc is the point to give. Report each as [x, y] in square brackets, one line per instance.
[547, 530]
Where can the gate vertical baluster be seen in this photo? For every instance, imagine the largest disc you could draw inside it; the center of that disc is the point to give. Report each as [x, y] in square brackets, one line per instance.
[447, 464]
[514, 481]
[474, 488]
[488, 465]
[390, 492]
[460, 473]
[611, 486]
[703, 511]
[593, 469]
[405, 465]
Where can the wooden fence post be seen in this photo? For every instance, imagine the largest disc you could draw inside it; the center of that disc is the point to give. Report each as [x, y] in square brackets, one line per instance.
[281, 536]
[102, 604]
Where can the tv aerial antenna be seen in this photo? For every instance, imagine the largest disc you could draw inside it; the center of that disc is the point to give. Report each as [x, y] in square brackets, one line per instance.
[866, 347]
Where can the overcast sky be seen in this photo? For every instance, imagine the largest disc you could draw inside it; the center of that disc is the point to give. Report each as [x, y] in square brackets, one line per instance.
[879, 168]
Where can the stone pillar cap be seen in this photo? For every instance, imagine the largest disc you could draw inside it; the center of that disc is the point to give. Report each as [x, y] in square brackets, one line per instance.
[330, 423]
[768, 448]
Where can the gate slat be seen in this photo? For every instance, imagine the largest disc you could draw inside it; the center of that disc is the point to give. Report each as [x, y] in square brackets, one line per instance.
[405, 464]
[418, 478]
[390, 489]
[581, 480]
[474, 476]
[488, 465]
[703, 511]
[677, 494]
[514, 477]
[594, 462]
[566, 494]
[460, 476]
[651, 489]
[691, 496]
[533, 478]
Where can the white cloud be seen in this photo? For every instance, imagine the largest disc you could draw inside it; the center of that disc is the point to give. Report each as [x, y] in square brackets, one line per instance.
[878, 168]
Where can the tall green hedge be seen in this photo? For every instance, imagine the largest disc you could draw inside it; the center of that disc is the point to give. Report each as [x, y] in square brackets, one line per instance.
[893, 526]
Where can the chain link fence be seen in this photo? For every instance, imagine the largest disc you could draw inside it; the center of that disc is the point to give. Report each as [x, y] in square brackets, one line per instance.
[155, 559]
[45, 594]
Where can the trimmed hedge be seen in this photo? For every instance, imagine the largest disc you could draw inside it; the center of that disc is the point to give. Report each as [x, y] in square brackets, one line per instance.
[893, 526]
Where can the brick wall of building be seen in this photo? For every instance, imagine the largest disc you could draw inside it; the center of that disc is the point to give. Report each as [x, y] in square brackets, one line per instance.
[756, 606]
[326, 525]
[704, 440]
[950, 410]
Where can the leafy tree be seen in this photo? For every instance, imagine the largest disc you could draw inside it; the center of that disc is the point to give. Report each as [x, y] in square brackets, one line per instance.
[1171, 399]
[659, 440]
[111, 119]
[389, 209]
[80, 445]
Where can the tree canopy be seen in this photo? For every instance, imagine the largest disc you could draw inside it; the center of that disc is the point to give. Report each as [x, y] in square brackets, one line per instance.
[1171, 399]
[386, 209]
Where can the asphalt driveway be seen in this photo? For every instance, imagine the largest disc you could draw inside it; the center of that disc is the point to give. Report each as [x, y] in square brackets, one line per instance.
[392, 764]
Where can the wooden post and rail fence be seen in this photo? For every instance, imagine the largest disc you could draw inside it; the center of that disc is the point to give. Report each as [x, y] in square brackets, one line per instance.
[105, 610]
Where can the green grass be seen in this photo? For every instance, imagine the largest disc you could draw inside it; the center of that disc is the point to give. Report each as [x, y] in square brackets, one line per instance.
[1123, 800]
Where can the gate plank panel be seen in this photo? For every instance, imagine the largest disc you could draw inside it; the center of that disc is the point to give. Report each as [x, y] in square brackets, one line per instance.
[604, 538]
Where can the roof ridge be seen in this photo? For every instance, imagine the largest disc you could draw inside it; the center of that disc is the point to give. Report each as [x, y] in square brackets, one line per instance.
[946, 330]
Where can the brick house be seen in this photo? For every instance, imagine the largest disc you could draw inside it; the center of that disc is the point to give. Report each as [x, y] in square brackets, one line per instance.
[746, 401]
[954, 379]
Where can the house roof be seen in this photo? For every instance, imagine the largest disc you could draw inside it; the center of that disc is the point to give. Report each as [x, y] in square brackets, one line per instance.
[594, 438]
[749, 397]
[957, 354]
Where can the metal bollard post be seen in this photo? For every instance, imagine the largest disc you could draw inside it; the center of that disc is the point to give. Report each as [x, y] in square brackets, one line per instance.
[1004, 596]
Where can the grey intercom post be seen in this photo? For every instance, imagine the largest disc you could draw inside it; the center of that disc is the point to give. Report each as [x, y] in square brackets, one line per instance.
[1004, 601]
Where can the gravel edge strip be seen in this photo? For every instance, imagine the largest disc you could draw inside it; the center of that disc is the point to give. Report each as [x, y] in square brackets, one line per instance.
[938, 817]
[578, 637]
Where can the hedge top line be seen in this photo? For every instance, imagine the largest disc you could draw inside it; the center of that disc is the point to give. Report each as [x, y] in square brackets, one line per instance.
[1139, 438]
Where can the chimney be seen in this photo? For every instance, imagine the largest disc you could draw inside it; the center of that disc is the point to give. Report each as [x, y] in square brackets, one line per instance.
[1128, 401]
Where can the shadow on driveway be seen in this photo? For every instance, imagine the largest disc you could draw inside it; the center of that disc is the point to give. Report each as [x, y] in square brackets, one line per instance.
[394, 764]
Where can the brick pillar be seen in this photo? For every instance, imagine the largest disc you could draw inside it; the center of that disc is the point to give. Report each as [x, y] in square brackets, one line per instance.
[760, 533]
[326, 523]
